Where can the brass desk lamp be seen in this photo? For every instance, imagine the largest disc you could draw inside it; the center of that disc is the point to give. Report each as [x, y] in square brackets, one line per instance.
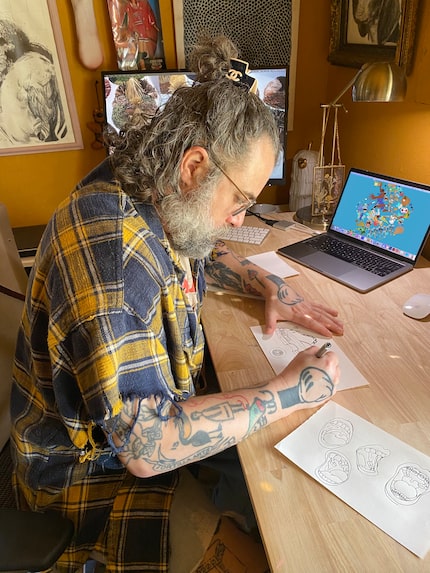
[377, 82]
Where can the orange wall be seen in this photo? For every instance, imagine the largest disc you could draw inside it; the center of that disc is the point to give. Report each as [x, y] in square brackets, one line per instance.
[391, 138]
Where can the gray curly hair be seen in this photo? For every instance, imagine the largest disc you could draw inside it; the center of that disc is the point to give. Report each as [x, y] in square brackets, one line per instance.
[217, 114]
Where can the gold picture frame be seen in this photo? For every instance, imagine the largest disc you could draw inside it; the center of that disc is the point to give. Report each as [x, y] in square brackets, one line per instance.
[390, 38]
[37, 107]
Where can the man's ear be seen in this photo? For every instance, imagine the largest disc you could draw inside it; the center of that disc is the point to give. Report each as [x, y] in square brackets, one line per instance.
[194, 167]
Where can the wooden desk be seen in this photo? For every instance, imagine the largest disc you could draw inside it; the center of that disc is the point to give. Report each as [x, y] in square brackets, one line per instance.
[304, 527]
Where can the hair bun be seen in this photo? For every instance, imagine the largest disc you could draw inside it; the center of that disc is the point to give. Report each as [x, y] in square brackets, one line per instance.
[210, 57]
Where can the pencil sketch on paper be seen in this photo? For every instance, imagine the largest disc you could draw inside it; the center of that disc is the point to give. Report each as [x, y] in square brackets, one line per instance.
[37, 110]
[409, 483]
[289, 339]
[335, 470]
[368, 458]
[293, 341]
[336, 433]
[378, 475]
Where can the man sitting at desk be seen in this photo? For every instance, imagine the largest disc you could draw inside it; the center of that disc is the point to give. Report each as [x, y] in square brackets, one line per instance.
[110, 347]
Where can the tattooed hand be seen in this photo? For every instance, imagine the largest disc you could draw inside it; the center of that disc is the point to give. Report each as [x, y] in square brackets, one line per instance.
[284, 303]
[315, 385]
[316, 379]
[230, 271]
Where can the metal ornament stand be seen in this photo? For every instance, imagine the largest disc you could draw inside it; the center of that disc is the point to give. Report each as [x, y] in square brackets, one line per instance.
[327, 179]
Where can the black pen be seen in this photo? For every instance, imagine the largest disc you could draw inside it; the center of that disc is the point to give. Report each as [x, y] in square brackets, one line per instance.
[324, 348]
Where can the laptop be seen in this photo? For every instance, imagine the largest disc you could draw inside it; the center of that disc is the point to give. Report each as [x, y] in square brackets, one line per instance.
[383, 220]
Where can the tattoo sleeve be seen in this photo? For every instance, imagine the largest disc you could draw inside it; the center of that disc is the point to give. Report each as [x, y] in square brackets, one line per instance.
[210, 426]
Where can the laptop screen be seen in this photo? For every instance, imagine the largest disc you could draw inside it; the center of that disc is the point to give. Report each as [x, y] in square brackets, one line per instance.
[388, 213]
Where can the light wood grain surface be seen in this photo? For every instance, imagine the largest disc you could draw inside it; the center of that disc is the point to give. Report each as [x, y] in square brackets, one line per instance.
[304, 527]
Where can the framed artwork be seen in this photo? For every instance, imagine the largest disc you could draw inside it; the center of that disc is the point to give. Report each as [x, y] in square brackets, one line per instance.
[37, 107]
[327, 186]
[137, 34]
[372, 30]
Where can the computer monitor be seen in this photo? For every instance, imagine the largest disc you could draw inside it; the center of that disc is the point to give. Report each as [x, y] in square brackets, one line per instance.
[124, 90]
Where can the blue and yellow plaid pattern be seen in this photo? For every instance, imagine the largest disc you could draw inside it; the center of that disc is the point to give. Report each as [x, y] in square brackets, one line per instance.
[105, 319]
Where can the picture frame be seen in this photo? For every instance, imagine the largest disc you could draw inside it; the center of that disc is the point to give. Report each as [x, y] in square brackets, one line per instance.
[386, 38]
[37, 107]
[137, 35]
[327, 186]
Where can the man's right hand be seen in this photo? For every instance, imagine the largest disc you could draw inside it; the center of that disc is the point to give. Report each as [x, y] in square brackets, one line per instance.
[316, 379]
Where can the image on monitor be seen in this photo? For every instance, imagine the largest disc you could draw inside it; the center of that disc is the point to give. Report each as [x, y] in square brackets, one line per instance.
[123, 91]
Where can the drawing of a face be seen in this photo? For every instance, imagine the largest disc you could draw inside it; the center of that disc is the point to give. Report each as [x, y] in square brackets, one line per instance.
[335, 470]
[336, 433]
[368, 458]
[409, 483]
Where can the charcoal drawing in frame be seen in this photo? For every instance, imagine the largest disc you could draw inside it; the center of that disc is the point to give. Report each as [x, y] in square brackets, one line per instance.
[372, 31]
[37, 107]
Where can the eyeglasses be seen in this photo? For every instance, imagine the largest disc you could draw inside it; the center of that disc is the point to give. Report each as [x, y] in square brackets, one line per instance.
[248, 202]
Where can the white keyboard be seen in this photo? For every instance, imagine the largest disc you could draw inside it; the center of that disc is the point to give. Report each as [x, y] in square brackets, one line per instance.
[244, 234]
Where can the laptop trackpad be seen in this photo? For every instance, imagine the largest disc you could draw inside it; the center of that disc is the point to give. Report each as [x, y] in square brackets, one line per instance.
[327, 263]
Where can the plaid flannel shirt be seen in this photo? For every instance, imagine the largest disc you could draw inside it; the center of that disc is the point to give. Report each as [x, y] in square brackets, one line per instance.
[105, 319]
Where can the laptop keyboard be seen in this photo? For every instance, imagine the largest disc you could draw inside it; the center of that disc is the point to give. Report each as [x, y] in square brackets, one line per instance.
[244, 234]
[352, 254]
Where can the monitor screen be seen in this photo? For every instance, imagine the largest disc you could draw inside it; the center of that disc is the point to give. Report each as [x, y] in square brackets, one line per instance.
[124, 90]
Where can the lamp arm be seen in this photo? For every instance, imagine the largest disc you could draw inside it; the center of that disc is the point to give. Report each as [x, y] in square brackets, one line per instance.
[346, 88]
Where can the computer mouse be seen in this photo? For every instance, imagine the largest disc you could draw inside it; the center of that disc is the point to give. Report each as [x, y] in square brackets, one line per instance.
[418, 306]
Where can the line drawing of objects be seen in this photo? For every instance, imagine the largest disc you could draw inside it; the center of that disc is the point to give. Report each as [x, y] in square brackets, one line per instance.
[336, 433]
[409, 483]
[335, 470]
[368, 458]
[296, 340]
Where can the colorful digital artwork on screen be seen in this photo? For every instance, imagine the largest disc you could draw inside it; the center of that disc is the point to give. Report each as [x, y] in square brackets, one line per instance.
[384, 212]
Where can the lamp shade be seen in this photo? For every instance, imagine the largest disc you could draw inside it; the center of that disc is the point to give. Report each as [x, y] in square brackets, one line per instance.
[379, 82]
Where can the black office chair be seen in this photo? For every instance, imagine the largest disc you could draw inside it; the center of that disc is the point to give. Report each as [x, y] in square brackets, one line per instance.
[29, 541]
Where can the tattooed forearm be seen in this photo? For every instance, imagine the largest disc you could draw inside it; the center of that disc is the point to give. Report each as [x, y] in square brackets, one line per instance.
[224, 277]
[227, 410]
[315, 385]
[247, 277]
[175, 440]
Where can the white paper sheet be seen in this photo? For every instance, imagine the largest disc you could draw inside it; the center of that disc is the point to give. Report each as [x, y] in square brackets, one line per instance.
[289, 339]
[273, 263]
[381, 477]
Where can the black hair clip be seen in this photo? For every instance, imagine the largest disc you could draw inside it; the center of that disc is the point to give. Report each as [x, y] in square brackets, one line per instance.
[238, 72]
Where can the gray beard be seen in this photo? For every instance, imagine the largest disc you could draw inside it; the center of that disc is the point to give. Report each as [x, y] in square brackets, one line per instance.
[188, 222]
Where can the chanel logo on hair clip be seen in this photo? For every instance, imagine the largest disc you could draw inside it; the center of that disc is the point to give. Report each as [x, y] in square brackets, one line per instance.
[239, 73]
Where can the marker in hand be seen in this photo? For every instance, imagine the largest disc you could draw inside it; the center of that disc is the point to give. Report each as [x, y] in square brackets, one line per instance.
[324, 348]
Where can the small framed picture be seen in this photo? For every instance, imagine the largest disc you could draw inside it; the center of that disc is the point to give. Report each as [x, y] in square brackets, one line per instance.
[327, 186]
